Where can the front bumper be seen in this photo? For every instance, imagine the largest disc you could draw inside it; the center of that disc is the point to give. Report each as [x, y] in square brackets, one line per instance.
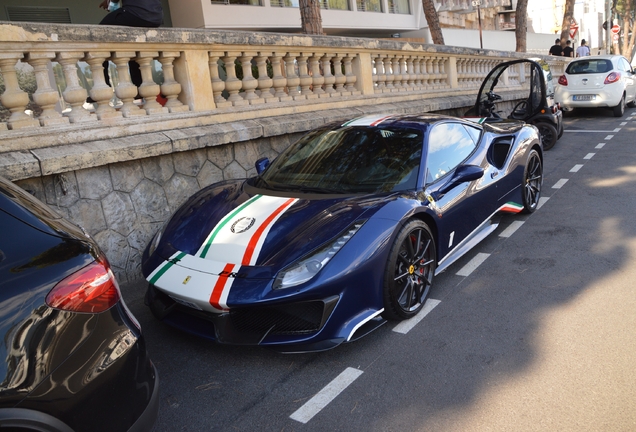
[273, 324]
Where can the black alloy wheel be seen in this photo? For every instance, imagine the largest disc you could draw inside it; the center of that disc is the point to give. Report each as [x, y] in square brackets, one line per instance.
[532, 182]
[548, 134]
[409, 272]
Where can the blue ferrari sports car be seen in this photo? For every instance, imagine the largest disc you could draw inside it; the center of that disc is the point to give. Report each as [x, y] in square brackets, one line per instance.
[342, 231]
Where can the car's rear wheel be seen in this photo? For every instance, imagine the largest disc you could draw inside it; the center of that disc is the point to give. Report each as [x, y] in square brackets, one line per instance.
[548, 133]
[619, 109]
[532, 182]
[409, 271]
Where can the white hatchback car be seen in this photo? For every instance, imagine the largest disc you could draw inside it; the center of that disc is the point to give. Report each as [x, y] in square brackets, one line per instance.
[597, 81]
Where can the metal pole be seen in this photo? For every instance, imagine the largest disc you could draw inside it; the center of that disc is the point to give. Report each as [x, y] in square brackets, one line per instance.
[481, 42]
[608, 30]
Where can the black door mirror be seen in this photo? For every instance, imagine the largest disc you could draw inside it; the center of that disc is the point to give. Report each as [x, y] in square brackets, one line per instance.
[462, 174]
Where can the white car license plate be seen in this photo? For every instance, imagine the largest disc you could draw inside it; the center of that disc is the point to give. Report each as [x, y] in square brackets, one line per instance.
[185, 303]
[583, 97]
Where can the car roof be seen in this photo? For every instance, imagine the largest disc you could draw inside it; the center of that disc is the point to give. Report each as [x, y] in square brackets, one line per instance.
[599, 57]
[400, 120]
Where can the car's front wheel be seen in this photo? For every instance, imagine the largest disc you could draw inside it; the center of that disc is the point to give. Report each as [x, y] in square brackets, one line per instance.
[619, 109]
[548, 133]
[409, 271]
[532, 182]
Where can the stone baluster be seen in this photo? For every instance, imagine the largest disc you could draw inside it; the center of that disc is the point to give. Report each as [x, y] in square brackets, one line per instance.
[330, 79]
[171, 89]
[410, 69]
[436, 73]
[350, 84]
[126, 90]
[430, 72]
[397, 73]
[406, 73]
[75, 95]
[101, 92]
[292, 77]
[218, 85]
[305, 78]
[14, 98]
[264, 81]
[149, 90]
[249, 82]
[443, 72]
[317, 79]
[278, 80]
[341, 79]
[232, 83]
[389, 67]
[45, 96]
[417, 77]
[378, 77]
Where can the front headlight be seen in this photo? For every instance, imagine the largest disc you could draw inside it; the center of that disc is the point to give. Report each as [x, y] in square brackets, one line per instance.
[308, 266]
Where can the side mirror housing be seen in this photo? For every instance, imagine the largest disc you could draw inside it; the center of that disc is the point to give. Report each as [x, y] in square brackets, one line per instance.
[462, 174]
[261, 164]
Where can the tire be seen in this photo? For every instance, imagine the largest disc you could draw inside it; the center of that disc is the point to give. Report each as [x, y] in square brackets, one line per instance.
[532, 182]
[619, 109]
[562, 128]
[632, 104]
[409, 271]
[548, 133]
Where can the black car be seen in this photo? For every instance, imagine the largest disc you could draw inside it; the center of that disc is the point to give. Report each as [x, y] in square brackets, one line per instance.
[532, 79]
[74, 357]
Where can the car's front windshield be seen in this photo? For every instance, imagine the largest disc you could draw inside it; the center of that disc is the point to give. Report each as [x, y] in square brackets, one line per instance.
[355, 159]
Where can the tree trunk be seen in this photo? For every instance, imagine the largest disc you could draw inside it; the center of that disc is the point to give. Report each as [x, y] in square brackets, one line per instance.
[310, 18]
[433, 22]
[568, 18]
[626, 21]
[521, 25]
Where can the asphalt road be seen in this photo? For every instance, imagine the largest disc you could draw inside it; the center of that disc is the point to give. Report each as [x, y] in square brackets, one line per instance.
[534, 330]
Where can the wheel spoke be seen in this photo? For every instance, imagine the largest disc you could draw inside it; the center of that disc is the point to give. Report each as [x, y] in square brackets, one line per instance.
[401, 276]
[408, 290]
[409, 247]
[424, 250]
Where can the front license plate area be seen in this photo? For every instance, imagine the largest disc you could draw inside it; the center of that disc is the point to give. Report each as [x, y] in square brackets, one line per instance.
[186, 303]
[583, 97]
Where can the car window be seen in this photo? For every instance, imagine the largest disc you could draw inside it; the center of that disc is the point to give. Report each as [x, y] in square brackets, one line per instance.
[589, 66]
[349, 159]
[624, 65]
[448, 145]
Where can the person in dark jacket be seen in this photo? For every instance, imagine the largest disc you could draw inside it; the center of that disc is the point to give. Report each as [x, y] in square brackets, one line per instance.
[556, 49]
[568, 51]
[132, 13]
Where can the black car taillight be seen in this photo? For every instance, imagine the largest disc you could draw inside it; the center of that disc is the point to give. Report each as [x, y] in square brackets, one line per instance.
[92, 289]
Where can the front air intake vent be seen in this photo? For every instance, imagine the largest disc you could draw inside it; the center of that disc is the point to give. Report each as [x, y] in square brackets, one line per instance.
[57, 15]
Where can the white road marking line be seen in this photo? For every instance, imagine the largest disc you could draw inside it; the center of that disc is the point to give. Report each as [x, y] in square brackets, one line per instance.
[600, 145]
[576, 168]
[314, 405]
[609, 137]
[589, 131]
[542, 201]
[589, 156]
[623, 123]
[405, 326]
[617, 130]
[511, 229]
[473, 264]
[559, 184]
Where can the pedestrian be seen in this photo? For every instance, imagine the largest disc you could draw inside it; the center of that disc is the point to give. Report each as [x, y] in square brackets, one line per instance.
[568, 51]
[132, 13]
[556, 49]
[583, 50]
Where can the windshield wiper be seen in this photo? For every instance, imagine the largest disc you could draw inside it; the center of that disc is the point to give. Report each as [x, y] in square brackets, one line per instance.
[316, 189]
